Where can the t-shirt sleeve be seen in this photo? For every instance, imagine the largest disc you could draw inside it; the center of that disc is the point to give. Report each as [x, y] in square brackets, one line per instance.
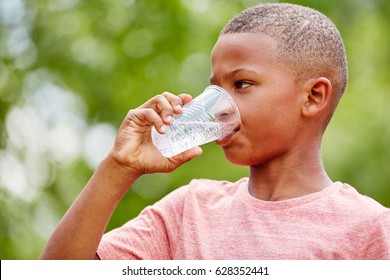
[377, 245]
[149, 236]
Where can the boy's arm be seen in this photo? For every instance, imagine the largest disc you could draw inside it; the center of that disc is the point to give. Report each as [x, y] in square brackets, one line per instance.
[78, 234]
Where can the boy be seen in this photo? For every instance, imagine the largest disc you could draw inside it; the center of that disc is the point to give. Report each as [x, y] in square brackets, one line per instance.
[285, 67]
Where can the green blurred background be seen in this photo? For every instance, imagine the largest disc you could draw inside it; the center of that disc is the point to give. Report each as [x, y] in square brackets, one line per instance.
[71, 69]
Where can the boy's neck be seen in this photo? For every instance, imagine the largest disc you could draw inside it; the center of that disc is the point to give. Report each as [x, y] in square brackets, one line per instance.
[288, 178]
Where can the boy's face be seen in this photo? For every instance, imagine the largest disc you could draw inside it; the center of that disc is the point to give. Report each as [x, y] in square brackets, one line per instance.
[267, 94]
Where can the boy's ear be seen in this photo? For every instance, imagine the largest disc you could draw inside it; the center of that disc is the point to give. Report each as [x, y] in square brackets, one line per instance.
[318, 95]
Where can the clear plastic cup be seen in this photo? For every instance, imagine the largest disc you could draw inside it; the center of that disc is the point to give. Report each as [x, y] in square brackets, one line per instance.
[210, 116]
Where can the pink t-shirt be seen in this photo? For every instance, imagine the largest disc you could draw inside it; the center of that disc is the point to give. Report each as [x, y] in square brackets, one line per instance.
[221, 220]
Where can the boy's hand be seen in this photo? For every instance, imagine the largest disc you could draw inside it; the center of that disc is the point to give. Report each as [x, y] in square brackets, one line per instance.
[134, 149]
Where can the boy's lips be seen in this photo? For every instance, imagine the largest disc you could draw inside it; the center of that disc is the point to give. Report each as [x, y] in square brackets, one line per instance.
[226, 140]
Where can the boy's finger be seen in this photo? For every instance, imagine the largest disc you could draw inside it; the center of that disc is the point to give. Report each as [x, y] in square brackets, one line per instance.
[162, 106]
[177, 101]
[143, 117]
[186, 98]
[186, 156]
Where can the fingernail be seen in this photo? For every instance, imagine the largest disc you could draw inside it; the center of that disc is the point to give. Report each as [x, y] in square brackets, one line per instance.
[178, 107]
[168, 118]
[163, 129]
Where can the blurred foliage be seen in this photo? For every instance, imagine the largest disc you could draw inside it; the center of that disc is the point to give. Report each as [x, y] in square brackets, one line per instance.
[71, 69]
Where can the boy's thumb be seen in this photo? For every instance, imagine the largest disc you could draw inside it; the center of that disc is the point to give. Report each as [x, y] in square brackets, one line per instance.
[186, 156]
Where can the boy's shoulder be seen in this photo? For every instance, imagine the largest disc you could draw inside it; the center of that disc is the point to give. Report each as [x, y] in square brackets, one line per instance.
[349, 196]
[347, 204]
[209, 186]
[199, 183]
[206, 191]
[340, 200]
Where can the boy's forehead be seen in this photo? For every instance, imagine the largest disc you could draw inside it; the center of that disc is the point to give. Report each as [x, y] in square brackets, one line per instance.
[248, 47]
[251, 44]
[255, 53]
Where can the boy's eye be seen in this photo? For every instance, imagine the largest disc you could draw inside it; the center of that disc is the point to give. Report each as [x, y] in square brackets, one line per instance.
[241, 84]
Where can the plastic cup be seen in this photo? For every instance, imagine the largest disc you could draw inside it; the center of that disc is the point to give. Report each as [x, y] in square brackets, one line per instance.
[210, 116]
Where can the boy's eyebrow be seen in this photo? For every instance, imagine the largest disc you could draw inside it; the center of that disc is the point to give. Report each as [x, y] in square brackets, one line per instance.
[242, 69]
[233, 73]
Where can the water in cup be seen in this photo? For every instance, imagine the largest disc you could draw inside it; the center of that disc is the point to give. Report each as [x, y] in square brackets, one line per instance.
[210, 116]
[184, 136]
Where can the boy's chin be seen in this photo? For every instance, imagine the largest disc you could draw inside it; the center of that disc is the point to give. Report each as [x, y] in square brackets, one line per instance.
[236, 157]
